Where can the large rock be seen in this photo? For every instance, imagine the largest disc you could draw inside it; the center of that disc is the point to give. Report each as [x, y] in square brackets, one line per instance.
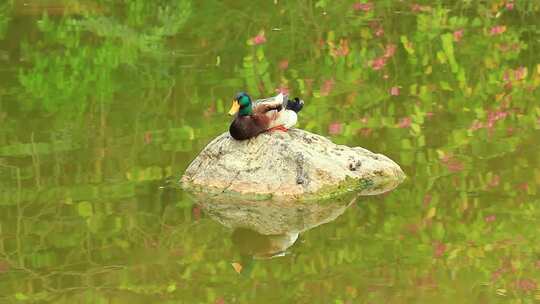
[289, 166]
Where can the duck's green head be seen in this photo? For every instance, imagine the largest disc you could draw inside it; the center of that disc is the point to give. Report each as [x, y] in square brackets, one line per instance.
[241, 105]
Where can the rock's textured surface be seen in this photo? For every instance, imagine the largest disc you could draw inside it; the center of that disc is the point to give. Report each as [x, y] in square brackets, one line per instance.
[289, 166]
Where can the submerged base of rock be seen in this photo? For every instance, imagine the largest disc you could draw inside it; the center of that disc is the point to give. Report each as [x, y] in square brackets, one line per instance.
[293, 165]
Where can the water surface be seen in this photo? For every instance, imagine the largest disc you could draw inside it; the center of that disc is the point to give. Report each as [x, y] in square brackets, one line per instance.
[102, 107]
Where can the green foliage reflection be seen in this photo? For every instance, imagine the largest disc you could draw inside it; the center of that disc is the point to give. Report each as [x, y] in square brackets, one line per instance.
[104, 103]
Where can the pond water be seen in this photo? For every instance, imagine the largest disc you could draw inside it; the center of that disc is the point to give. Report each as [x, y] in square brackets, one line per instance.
[103, 104]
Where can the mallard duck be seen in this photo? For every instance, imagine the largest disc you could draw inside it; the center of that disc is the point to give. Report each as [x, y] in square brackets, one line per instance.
[254, 118]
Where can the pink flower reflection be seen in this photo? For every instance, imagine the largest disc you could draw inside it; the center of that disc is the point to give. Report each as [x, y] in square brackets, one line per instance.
[365, 7]
[439, 249]
[259, 39]
[526, 285]
[520, 73]
[415, 7]
[458, 35]
[335, 128]
[378, 63]
[327, 87]
[490, 218]
[389, 50]
[497, 30]
[452, 164]
[405, 122]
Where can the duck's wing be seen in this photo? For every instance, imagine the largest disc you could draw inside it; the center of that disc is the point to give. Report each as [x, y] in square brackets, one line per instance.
[275, 100]
[276, 110]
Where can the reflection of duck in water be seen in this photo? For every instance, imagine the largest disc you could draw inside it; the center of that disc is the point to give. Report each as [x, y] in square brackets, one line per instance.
[260, 246]
[254, 246]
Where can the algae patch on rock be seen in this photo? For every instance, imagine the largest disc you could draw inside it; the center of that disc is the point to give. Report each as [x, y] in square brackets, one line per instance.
[296, 165]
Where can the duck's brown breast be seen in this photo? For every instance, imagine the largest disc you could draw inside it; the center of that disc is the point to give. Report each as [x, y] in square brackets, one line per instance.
[246, 127]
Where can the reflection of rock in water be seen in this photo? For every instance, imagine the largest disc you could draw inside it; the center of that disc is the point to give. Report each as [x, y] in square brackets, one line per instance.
[271, 217]
[264, 229]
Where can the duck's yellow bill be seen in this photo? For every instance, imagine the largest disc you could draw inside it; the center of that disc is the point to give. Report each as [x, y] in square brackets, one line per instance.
[234, 108]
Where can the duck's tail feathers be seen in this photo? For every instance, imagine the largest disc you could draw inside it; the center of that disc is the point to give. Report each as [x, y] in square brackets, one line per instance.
[285, 118]
[295, 105]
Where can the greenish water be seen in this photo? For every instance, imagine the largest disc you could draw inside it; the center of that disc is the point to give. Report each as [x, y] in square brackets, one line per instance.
[103, 104]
